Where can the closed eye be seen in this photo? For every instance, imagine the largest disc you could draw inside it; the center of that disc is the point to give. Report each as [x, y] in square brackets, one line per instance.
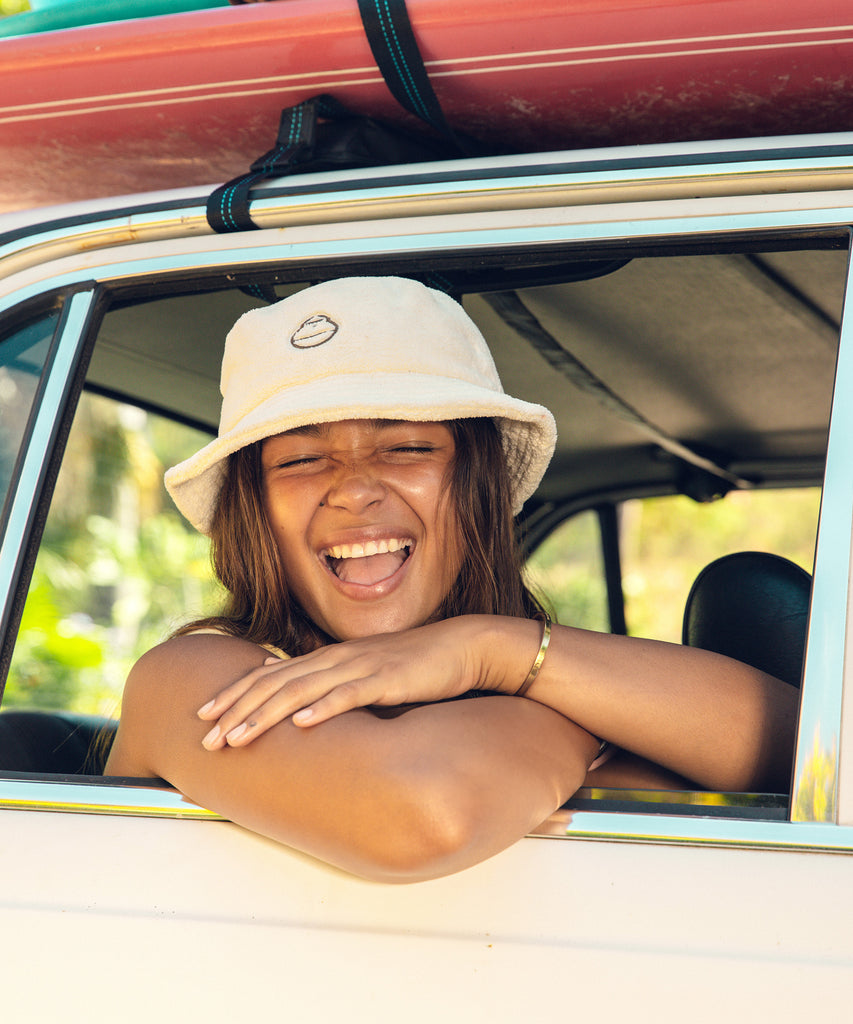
[407, 453]
[295, 463]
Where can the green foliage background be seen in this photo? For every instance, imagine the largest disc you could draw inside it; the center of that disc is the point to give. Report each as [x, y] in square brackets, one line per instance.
[665, 543]
[118, 567]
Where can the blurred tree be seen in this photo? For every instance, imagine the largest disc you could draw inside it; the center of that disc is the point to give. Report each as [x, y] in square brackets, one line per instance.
[118, 567]
[665, 543]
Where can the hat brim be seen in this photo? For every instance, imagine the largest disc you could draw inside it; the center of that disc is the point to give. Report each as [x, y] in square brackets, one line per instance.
[528, 430]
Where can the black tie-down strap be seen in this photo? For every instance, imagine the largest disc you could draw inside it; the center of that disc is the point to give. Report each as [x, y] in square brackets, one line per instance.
[398, 57]
[228, 206]
[321, 134]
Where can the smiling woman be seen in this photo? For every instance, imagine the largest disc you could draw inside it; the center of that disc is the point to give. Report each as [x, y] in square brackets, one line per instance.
[360, 499]
[319, 487]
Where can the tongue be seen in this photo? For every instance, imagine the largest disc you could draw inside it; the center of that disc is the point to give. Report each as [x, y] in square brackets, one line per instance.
[370, 569]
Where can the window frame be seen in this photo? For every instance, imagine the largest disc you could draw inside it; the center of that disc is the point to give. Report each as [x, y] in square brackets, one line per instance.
[42, 447]
[596, 230]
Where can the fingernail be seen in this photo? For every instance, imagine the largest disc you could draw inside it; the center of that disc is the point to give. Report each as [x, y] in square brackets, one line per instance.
[303, 716]
[211, 737]
[207, 707]
[235, 734]
[271, 660]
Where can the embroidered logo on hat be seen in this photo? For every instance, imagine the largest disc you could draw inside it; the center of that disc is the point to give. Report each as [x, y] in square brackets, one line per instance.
[316, 330]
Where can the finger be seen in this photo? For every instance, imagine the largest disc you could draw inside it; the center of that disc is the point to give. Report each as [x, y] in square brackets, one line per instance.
[261, 690]
[354, 693]
[238, 704]
[271, 698]
[309, 700]
[293, 685]
[233, 692]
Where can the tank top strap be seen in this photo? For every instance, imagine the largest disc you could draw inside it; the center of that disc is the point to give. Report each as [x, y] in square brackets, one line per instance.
[277, 651]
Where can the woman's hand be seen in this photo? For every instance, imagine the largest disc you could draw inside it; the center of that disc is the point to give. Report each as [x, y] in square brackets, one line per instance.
[422, 665]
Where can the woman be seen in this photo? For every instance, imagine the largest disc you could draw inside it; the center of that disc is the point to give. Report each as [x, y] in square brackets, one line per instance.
[360, 498]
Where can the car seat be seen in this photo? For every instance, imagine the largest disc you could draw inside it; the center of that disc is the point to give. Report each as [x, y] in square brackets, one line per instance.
[752, 606]
[54, 743]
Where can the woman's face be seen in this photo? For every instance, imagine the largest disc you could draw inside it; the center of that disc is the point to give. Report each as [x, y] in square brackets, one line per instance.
[361, 514]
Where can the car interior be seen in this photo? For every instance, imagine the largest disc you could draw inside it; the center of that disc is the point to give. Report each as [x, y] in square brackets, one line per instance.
[701, 370]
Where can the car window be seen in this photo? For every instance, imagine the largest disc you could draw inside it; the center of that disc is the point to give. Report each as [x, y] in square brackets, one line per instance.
[657, 367]
[117, 568]
[22, 359]
[567, 570]
[664, 543]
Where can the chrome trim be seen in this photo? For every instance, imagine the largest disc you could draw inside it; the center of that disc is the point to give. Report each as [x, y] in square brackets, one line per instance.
[499, 183]
[40, 443]
[416, 238]
[157, 802]
[817, 760]
[652, 828]
[569, 188]
[844, 798]
[749, 803]
[94, 798]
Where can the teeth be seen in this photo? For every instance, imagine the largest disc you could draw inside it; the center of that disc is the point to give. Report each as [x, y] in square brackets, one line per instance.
[370, 547]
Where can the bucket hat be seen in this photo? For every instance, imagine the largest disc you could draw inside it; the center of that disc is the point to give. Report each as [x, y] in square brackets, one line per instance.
[359, 348]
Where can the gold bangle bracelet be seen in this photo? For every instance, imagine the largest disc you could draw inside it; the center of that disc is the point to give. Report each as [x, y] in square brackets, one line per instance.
[540, 657]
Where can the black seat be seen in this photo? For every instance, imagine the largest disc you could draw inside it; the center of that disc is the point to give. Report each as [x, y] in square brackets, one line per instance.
[752, 606]
[55, 743]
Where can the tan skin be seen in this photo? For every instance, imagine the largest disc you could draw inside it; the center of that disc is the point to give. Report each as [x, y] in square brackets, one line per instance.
[348, 754]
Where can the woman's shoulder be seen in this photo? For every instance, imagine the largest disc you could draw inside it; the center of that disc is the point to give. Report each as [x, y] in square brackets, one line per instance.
[167, 686]
[201, 658]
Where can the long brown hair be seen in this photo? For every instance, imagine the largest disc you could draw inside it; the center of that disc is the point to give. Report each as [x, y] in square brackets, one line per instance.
[260, 606]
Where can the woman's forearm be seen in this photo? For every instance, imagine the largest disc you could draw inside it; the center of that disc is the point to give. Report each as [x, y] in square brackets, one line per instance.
[716, 721]
[712, 720]
[419, 796]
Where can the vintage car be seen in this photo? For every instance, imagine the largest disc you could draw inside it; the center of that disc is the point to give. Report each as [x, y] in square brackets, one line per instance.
[681, 309]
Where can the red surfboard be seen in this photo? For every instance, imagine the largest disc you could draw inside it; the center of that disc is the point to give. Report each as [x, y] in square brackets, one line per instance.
[192, 98]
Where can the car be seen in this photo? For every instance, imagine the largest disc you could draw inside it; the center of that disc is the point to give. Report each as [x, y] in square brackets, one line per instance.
[681, 309]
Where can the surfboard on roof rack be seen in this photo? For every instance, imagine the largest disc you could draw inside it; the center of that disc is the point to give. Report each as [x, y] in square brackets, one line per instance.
[184, 99]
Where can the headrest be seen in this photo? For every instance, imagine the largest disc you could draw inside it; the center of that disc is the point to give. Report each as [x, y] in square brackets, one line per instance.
[752, 606]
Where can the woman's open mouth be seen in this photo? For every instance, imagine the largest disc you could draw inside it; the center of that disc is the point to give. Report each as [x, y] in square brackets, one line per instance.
[369, 563]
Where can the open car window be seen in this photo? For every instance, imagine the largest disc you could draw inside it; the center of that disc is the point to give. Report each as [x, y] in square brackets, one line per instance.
[698, 372]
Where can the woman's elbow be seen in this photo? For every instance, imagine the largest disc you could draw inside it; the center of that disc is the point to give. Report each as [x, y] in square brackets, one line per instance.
[433, 832]
[421, 850]
[457, 819]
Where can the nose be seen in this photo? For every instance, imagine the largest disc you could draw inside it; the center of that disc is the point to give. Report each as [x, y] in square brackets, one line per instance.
[355, 489]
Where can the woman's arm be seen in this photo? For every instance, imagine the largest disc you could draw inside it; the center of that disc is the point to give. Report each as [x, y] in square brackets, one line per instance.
[721, 723]
[418, 795]
[713, 720]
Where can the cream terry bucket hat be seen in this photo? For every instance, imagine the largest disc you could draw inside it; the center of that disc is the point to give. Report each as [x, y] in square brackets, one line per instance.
[359, 348]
